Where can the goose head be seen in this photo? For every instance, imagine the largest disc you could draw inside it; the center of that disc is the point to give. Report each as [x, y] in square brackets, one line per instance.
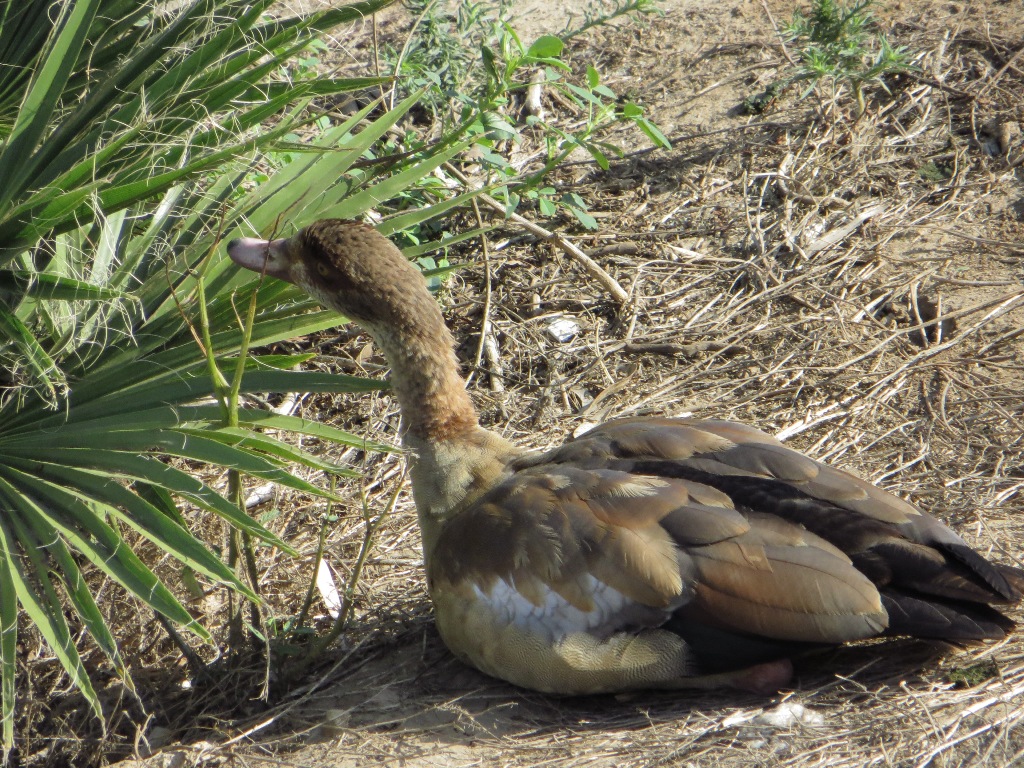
[349, 267]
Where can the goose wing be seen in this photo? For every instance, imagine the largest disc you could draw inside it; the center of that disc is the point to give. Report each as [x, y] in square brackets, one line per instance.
[720, 533]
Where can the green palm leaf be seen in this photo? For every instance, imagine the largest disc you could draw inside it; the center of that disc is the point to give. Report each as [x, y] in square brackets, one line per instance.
[131, 137]
[29, 573]
[19, 158]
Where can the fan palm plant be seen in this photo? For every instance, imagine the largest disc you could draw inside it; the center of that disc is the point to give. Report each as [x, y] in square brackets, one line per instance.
[129, 135]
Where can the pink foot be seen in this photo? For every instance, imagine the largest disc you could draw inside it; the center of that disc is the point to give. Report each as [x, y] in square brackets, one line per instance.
[764, 678]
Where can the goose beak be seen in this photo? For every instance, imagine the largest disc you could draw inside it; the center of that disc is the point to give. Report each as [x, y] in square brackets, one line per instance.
[268, 257]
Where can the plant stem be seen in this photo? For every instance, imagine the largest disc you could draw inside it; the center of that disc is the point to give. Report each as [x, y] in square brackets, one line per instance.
[369, 533]
[307, 602]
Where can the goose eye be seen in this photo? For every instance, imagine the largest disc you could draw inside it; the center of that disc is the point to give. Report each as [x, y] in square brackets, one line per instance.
[323, 269]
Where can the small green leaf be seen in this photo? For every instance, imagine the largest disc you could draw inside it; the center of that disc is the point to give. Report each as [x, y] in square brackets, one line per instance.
[593, 77]
[546, 47]
[598, 156]
[584, 96]
[488, 58]
[511, 203]
[653, 133]
[583, 217]
[497, 127]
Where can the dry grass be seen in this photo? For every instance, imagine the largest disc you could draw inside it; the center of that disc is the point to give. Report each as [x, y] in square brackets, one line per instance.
[856, 286]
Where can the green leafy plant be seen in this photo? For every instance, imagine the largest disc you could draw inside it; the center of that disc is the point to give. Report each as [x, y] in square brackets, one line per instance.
[762, 102]
[837, 44]
[438, 59]
[973, 674]
[134, 138]
[601, 107]
[935, 172]
[438, 55]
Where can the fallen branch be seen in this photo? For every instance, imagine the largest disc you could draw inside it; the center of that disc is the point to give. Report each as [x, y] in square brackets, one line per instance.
[684, 350]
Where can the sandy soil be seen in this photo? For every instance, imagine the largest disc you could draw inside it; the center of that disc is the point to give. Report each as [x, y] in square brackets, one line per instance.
[815, 341]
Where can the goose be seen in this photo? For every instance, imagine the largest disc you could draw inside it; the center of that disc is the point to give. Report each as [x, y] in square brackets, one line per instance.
[649, 552]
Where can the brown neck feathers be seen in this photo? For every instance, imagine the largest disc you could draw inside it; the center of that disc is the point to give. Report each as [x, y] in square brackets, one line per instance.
[425, 372]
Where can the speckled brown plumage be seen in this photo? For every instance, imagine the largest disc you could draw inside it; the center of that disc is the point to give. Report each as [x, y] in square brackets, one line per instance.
[649, 552]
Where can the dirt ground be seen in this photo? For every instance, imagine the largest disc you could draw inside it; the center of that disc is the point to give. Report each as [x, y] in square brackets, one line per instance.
[855, 286]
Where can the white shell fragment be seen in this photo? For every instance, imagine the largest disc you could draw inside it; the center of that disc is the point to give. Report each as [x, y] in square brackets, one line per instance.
[327, 589]
[563, 329]
[758, 727]
[788, 714]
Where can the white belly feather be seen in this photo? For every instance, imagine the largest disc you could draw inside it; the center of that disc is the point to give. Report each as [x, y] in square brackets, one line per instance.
[551, 645]
[555, 617]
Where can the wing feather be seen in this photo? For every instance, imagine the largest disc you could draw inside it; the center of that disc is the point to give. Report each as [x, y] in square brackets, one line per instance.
[716, 525]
